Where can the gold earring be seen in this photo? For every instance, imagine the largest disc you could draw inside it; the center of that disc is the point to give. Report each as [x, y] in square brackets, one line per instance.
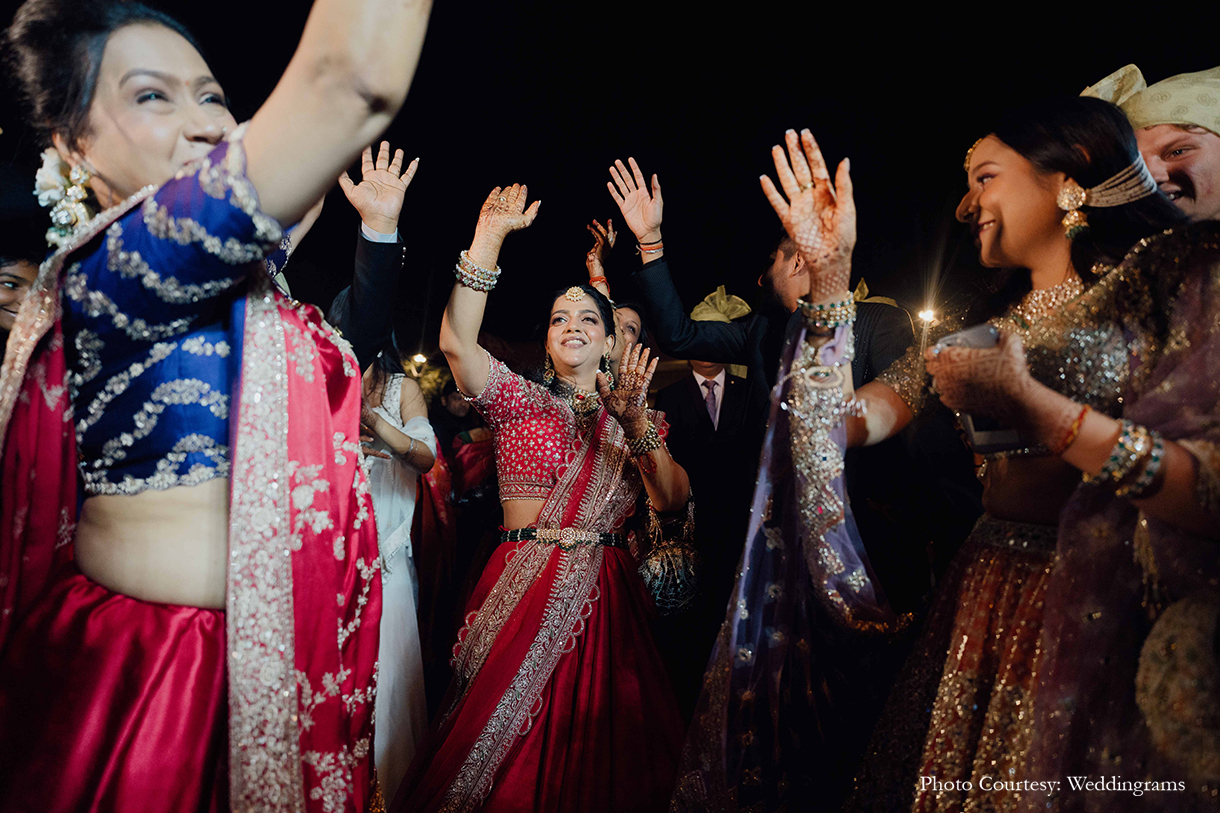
[548, 370]
[1070, 198]
[607, 372]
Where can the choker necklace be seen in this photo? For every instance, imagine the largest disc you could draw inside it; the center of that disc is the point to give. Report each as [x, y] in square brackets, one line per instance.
[582, 402]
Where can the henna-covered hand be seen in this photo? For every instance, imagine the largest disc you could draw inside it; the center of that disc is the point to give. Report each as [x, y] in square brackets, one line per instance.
[994, 382]
[603, 240]
[641, 210]
[383, 184]
[504, 212]
[627, 403]
[818, 216]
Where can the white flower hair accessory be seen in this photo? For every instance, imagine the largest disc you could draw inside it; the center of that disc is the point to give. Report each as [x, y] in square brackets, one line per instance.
[51, 180]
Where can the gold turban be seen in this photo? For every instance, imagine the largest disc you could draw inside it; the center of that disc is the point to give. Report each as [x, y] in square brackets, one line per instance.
[1187, 99]
[719, 306]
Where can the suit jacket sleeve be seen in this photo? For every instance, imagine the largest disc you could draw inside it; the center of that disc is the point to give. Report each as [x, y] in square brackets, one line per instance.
[364, 310]
[678, 334]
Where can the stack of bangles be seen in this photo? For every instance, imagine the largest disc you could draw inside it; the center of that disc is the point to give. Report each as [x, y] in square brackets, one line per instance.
[645, 443]
[1134, 462]
[475, 276]
[832, 315]
[650, 248]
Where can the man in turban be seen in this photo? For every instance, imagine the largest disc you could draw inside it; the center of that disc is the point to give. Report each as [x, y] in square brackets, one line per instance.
[1177, 125]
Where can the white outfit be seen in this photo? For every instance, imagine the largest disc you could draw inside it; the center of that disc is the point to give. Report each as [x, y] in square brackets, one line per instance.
[401, 709]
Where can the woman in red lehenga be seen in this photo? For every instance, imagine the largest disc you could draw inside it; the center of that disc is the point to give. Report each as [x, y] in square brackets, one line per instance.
[560, 700]
[198, 630]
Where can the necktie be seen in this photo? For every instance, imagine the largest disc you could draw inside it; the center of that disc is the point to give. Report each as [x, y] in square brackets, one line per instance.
[710, 400]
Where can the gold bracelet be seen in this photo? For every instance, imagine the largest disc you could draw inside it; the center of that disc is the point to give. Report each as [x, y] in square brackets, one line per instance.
[645, 443]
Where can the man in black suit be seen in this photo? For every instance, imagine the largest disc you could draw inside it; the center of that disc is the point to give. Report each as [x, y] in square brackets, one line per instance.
[706, 411]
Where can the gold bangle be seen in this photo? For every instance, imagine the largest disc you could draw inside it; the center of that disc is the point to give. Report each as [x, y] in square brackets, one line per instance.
[645, 443]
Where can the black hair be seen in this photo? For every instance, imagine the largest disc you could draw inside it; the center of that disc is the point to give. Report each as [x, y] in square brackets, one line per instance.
[784, 244]
[54, 50]
[604, 309]
[638, 308]
[388, 363]
[23, 223]
[1089, 140]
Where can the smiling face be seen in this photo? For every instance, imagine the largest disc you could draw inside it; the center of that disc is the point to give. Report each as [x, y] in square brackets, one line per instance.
[1185, 162]
[15, 280]
[576, 338]
[155, 108]
[1011, 207]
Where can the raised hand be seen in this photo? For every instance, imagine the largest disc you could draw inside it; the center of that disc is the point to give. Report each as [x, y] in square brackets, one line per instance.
[641, 210]
[994, 382]
[603, 241]
[818, 216]
[627, 402]
[504, 212]
[383, 184]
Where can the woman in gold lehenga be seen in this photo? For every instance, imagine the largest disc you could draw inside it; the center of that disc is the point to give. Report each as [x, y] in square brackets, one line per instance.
[1102, 323]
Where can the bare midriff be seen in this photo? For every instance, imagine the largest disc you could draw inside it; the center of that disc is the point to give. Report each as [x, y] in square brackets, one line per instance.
[521, 513]
[170, 546]
[1028, 489]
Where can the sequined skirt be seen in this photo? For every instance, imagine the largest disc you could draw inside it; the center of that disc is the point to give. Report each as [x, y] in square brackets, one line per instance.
[959, 710]
[111, 703]
[981, 718]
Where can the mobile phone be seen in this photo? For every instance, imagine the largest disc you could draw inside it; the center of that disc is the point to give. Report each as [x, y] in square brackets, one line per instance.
[985, 435]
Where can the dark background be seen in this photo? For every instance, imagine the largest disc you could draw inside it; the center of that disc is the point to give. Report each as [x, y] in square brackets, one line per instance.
[549, 94]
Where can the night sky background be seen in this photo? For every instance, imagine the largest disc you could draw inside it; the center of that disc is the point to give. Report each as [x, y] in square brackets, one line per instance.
[549, 94]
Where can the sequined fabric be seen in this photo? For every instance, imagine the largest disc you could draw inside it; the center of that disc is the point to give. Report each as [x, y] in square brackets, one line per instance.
[151, 353]
[534, 430]
[1070, 345]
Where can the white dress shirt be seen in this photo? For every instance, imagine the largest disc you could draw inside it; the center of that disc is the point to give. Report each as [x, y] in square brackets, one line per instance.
[719, 390]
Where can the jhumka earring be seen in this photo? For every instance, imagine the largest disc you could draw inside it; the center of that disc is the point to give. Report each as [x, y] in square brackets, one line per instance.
[548, 370]
[1071, 197]
[607, 372]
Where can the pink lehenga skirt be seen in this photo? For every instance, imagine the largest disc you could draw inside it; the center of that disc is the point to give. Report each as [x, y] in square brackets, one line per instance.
[112, 703]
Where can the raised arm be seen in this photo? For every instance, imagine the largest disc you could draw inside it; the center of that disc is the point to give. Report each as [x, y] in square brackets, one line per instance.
[820, 217]
[345, 83]
[675, 332]
[503, 212]
[364, 311]
[604, 238]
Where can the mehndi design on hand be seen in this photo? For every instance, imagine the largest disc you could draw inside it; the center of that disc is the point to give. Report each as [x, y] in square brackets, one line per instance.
[818, 216]
[628, 402]
[604, 238]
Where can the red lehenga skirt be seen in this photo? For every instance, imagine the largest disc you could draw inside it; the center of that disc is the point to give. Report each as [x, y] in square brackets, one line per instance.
[604, 733]
[112, 703]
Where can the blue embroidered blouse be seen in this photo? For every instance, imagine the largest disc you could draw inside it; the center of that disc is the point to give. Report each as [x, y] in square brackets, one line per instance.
[153, 318]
